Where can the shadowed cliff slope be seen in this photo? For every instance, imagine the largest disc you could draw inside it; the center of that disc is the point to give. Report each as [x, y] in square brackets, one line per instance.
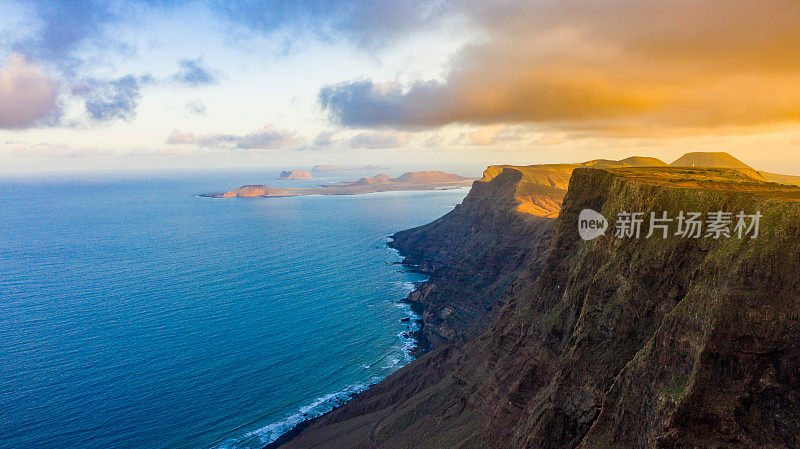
[624, 343]
[472, 254]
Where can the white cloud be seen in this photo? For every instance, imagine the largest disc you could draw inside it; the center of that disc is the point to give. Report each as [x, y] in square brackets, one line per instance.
[266, 138]
[27, 95]
[378, 139]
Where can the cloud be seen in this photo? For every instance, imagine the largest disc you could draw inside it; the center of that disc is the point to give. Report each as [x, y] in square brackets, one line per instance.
[378, 139]
[366, 23]
[324, 139]
[63, 27]
[266, 138]
[181, 138]
[510, 135]
[366, 104]
[27, 95]
[177, 137]
[112, 99]
[487, 135]
[195, 107]
[192, 72]
[617, 66]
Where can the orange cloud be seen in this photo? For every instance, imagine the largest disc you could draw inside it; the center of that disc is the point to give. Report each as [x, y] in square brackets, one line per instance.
[616, 66]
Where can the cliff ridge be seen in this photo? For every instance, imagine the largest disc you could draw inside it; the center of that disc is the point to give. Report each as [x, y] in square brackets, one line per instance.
[624, 343]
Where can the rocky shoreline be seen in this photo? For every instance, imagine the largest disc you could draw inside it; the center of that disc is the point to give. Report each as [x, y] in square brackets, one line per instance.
[422, 346]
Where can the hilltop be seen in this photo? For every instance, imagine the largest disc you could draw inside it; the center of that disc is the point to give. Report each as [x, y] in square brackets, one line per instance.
[722, 159]
[707, 159]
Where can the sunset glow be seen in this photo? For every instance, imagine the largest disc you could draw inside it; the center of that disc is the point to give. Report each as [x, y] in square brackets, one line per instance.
[87, 85]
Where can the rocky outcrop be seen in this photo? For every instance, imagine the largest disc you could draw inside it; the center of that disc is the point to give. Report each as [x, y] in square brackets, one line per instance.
[292, 175]
[623, 343]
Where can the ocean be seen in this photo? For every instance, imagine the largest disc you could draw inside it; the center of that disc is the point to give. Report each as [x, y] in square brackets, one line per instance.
[135, 314]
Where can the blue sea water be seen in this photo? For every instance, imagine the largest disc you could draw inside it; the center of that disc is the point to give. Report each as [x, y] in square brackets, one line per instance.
[135, 314]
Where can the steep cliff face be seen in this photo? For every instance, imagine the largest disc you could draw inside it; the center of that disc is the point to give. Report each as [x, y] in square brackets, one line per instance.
[474, 252]
[655, 342]
[623, 343]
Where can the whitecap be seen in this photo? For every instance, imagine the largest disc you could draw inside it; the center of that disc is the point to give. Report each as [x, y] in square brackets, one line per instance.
[271, 432]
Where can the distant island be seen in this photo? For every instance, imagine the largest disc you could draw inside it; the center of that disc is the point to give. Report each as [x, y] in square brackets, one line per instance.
[324, 168]
[419, 180]
[292, 175]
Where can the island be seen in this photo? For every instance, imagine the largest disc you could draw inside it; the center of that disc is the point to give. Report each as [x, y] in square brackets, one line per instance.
[326, 168]
[292, 175]
[418, 180]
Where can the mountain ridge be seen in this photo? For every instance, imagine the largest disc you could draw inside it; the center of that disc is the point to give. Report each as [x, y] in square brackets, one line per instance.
[538, 339]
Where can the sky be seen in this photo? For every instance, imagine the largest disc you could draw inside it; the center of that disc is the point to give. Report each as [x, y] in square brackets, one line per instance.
[114, 85]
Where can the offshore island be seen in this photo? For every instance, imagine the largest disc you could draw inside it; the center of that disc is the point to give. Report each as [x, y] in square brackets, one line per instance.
[531, 337]
[418, 180]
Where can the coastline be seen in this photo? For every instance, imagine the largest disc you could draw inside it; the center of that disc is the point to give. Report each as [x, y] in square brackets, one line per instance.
[420, 346]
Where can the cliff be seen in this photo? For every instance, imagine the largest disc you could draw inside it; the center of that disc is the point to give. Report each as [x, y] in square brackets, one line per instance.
[472, 254]
[623, 343]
